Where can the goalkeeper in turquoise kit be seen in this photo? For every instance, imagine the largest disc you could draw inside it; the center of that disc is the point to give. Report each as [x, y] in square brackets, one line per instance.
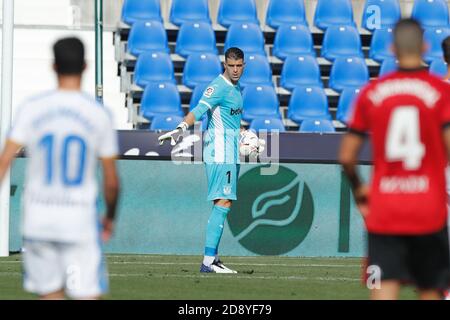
[222, 102]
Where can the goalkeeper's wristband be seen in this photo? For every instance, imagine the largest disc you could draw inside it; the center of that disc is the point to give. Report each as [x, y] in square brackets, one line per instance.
[183, 126]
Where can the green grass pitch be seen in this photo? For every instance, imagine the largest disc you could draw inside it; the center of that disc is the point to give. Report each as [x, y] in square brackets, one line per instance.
[170, 277]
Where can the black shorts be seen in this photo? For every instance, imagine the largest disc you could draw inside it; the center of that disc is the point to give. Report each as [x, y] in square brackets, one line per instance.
[421, 260]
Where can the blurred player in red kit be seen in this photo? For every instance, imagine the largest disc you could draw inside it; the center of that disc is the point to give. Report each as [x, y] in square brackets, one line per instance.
[407, 114]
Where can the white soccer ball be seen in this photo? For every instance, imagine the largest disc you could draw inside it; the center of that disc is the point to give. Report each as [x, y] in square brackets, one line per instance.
[248, 143]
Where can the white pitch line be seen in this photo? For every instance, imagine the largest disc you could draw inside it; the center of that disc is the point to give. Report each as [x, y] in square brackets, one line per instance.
[240, 264]
[7, 274]
[150, 256]
[243, 277]
[121, 275]
[231, 263]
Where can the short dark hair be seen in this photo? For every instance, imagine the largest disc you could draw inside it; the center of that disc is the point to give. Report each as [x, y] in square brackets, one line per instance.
[446, 49]
[234, 53]
[69, 56]
[408, 37]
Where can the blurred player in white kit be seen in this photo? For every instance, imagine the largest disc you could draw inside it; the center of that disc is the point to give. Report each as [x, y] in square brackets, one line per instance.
[64, 133]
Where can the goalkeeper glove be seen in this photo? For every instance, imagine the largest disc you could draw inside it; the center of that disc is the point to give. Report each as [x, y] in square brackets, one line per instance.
[174, 135]
[261, 146]
[258, 149]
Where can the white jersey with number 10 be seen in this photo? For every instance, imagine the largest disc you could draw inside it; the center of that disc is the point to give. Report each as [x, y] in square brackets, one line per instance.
[64, 133]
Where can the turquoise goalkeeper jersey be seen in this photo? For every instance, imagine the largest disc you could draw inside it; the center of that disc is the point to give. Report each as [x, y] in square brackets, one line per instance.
[222, 102]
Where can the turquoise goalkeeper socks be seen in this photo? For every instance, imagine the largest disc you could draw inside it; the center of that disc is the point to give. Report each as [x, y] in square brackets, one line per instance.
[214, 229]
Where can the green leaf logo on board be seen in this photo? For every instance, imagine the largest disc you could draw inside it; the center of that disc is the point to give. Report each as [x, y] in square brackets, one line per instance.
[273, 214]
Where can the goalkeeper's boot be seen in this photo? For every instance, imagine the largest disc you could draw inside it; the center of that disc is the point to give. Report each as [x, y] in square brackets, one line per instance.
[220, 264]
[212, 269]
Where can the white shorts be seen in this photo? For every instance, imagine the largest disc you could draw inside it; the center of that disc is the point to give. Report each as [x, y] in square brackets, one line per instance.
[77, 268]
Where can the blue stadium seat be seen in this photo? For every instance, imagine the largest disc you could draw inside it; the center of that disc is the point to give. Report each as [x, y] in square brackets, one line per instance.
[147, 36]
[285, 12]
[439, 67]
[237, 11]
[196, 95]
[434, 37]
[333, 13]
[165, 122]
[246, 36]
[141, 10]
[153, 68]
[345, 104]
[431, 13]
[293, 39]
[161, 99]
[387, 66]
[348, 72]
[260, 101]
[201, 68]
[268, 124]
[379, 14]
[316, 126]
[257, 71]
[300, 71]
[380, 45]
[308, 103]
[341, 41]
[196, 37]
[194, 11]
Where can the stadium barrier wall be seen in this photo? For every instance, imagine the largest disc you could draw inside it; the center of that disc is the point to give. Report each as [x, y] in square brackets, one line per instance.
[305, 209]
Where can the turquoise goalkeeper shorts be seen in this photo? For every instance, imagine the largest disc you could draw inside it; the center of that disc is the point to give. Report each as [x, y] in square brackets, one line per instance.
[222, 180]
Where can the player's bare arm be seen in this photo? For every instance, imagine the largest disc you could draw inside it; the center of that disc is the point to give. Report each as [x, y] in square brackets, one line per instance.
[348, 157]
[8, 154]
[111, 189]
